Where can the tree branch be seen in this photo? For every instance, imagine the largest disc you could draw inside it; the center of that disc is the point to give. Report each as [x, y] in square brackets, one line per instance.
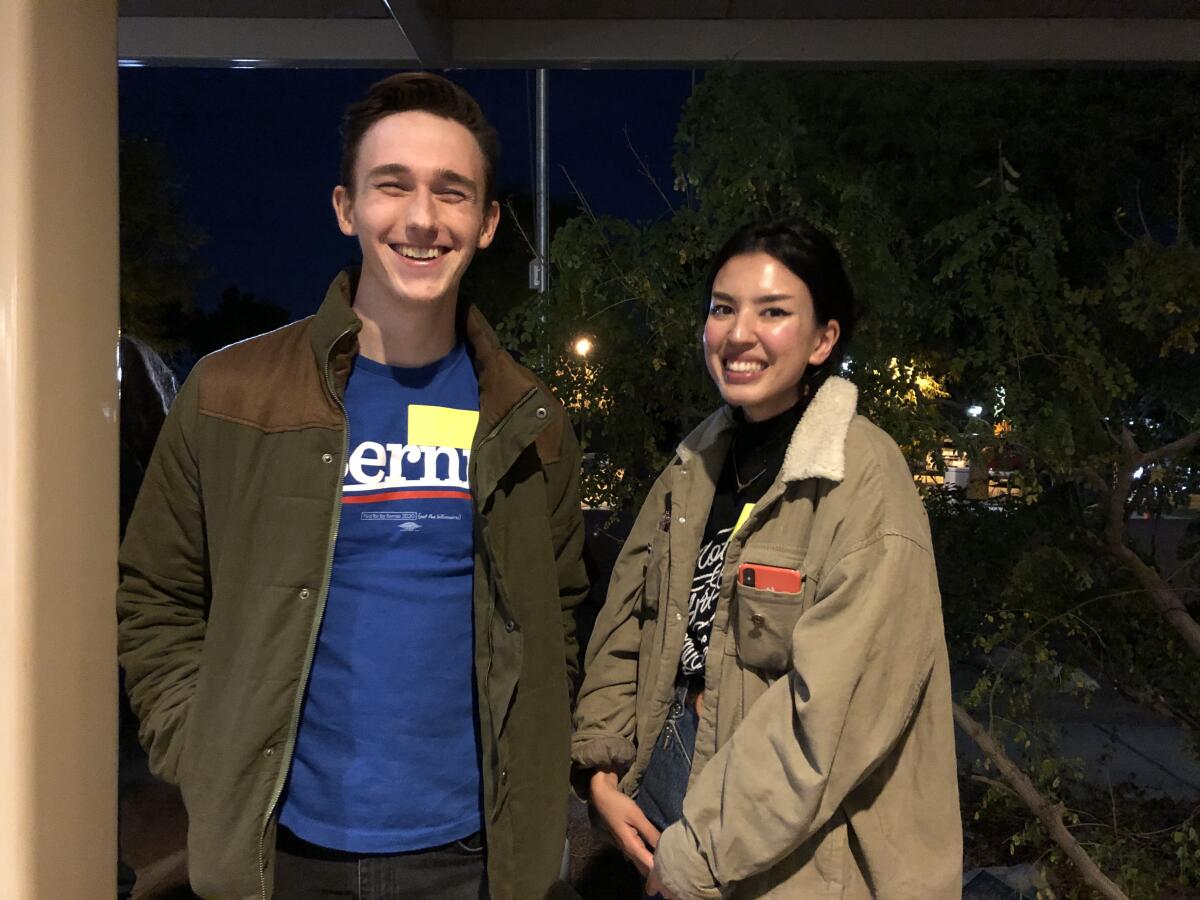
[647, 174]
[1176, 448]
[584, 206]
[586, 209]
[1049, 814]
[997, 784]
[1118, 216]
[1166, 599]
[1156, 702]
[512, 212]
[1184, 568]
[1141, 214]
[1114, 529]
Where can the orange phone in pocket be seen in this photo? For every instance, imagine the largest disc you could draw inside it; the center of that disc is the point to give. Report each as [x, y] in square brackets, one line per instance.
[770, 578]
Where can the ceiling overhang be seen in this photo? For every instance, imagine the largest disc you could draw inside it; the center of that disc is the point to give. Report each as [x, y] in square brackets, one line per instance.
[526, 33]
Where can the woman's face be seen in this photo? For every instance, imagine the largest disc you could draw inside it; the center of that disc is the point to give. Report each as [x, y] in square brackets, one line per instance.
[761, 334]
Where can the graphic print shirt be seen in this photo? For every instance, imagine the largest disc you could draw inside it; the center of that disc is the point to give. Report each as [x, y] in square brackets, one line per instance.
[387, 757]
[757, 449]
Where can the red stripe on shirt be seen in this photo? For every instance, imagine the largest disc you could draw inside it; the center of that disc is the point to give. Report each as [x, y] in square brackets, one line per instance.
[407, 495]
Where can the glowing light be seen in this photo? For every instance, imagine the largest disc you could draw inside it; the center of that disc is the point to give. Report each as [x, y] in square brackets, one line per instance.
[1139, 472]
[130, 64]
[975, 410]
[583, 346]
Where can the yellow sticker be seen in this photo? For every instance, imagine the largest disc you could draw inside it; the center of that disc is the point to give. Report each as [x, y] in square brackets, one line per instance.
[441, 426]
[745, 514]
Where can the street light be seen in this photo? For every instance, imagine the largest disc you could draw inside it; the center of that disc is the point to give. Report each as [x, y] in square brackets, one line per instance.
[583, 346]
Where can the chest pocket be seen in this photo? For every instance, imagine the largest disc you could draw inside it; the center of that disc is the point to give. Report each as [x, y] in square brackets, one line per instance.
[763, 620]
[762, 627]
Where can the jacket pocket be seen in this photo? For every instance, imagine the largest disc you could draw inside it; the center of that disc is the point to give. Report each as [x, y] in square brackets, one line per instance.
[656, 572]
[762, 626]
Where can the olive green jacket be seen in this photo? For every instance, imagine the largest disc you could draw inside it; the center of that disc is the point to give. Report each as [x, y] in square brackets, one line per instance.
[824, 762]
[225, 569]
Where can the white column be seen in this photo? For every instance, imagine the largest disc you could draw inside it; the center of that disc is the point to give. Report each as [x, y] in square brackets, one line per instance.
[58, 451]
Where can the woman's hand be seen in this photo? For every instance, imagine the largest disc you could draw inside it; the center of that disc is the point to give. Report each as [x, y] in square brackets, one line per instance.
[634, 834]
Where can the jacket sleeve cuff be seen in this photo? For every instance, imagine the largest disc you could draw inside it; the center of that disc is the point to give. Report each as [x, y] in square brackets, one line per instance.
[602, 752]
[682, 869]
[588, 754]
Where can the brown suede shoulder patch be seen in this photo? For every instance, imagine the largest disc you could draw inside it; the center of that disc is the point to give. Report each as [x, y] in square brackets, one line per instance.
[270, 382]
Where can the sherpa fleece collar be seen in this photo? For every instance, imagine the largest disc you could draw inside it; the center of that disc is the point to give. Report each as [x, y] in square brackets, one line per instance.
[818, 445]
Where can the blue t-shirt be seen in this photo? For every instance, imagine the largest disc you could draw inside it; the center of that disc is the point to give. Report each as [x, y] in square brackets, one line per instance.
[387, 755]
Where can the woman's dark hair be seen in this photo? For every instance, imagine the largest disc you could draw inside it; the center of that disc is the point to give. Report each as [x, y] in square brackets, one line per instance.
[812, 257]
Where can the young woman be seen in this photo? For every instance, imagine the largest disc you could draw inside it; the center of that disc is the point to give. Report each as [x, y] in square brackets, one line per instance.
[766, 711]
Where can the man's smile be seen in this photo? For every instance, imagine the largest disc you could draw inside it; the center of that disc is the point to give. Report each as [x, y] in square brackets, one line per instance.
[419, 254]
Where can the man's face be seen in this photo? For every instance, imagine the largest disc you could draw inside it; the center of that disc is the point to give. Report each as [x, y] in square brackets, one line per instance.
[418, 208]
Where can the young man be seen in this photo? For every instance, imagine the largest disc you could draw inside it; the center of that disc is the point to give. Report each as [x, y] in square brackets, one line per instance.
[347, 587]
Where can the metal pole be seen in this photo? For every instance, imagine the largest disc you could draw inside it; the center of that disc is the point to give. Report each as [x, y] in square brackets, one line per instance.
[539, 269]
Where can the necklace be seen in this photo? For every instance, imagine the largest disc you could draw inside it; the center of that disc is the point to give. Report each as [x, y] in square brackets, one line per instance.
[742, 485]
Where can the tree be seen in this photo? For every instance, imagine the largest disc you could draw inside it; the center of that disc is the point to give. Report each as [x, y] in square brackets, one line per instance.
[159, 270]
[239, 315]
[1012, 311]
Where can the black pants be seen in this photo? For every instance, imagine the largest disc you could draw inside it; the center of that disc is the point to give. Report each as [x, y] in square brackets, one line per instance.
[454, 871]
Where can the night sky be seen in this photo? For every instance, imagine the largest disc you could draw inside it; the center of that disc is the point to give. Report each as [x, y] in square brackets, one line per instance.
[256, 152]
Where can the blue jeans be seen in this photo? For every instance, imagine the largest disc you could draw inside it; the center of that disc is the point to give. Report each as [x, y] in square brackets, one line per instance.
[660, 795]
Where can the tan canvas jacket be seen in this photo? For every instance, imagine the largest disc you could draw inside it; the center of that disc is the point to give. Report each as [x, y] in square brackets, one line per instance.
[824, 763]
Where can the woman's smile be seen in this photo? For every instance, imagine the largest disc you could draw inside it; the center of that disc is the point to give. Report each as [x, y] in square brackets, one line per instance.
[743, 371]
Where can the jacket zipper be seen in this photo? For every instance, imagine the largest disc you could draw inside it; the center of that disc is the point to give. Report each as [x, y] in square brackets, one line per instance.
[306, 670]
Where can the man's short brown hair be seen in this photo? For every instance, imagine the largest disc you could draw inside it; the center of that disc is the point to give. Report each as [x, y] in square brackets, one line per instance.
[420, 92]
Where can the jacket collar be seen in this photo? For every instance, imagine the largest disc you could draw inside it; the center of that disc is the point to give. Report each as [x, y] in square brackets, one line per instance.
[818, 445]
[503, 382]
[335, 327]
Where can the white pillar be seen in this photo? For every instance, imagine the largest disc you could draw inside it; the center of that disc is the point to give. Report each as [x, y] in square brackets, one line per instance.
[58, 451]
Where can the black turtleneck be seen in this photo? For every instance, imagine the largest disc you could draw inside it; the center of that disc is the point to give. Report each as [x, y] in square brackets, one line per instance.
[755, 456]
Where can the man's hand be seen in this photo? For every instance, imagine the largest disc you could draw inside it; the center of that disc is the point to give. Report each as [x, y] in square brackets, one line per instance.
[655, 887]
[634, 834]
